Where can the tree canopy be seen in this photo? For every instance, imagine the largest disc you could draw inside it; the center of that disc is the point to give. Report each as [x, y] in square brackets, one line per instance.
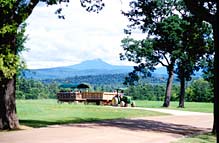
[174, 36]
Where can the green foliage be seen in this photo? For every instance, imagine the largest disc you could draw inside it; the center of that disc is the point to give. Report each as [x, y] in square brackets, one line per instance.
[202, 138]
[200, 91]
[153, 92]
[9, 64]
[107, 82]
[32, 89]
[10, 61]
[208, 68]
[175, 92]
[197, 42]
[197, 91]
[179, 38]
[163, 27]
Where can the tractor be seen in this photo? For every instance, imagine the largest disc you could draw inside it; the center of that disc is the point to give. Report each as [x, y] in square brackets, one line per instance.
[122, 99]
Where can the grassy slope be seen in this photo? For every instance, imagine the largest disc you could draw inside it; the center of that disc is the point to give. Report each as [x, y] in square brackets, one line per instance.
[189, 106]
[39, 113]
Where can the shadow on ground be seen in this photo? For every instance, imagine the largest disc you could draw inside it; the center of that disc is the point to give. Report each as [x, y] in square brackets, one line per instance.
[145, 125]
[127, 124]
[43, 123]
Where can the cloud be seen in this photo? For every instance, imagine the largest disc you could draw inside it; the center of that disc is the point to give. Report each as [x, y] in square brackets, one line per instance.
[81, 36]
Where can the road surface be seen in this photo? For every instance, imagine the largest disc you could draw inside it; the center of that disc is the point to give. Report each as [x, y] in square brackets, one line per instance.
[159, 129]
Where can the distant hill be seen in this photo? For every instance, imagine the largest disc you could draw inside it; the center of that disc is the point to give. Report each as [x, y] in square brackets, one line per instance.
[96, 64]
[90, 67]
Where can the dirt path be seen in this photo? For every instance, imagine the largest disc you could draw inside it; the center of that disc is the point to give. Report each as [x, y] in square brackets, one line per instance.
[162, 129]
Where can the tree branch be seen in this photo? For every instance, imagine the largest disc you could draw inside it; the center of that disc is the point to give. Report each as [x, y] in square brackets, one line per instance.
[199, 10]
[166, 59]
[162, 63]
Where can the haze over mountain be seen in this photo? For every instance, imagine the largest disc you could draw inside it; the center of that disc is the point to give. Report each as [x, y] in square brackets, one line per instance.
[97, 64]
[90, 67]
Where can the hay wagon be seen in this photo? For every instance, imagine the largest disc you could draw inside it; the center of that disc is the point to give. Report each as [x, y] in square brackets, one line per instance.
[80, 93]
[104, 98]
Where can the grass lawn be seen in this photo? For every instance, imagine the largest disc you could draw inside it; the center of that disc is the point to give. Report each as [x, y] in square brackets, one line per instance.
[189, 106]
[203, 138]
[40, 113]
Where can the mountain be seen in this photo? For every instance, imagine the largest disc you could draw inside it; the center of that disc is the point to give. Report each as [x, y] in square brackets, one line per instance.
[97, 64]
[92, 64]
[90, 67]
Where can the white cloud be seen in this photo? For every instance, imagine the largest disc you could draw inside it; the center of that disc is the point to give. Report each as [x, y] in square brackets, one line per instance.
[81, 36]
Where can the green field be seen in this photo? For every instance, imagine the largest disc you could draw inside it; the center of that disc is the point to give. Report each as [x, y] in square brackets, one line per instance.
[40, 113]
[203, 138]
[189, 106]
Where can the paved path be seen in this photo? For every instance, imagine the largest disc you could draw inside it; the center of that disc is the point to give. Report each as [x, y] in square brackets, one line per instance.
[162, 129]
[170, 111]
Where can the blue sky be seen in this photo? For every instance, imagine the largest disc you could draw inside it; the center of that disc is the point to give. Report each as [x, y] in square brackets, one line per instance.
[81, 36]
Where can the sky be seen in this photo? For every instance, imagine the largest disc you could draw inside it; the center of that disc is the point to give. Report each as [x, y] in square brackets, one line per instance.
[54, 42]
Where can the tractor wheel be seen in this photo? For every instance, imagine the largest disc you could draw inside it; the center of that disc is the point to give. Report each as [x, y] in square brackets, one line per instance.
[115, 101]
[133, 104]
[122, 104]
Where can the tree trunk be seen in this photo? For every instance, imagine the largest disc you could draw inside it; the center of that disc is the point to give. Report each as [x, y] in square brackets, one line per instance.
[8, 118]
[168, 87]
[216, 79]
[182, 93]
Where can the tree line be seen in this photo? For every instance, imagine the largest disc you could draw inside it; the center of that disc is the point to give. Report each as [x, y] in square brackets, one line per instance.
[35, 89]
[199, 90]
[107, 79]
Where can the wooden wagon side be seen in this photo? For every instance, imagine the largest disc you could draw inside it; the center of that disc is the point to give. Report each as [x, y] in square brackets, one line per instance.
[69, 97]
[98, 97]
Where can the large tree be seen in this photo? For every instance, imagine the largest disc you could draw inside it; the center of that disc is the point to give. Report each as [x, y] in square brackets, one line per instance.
[197, 42]
[163, 49]
[13, 13]
[208, 10]
[169, 24]
[159, 19]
